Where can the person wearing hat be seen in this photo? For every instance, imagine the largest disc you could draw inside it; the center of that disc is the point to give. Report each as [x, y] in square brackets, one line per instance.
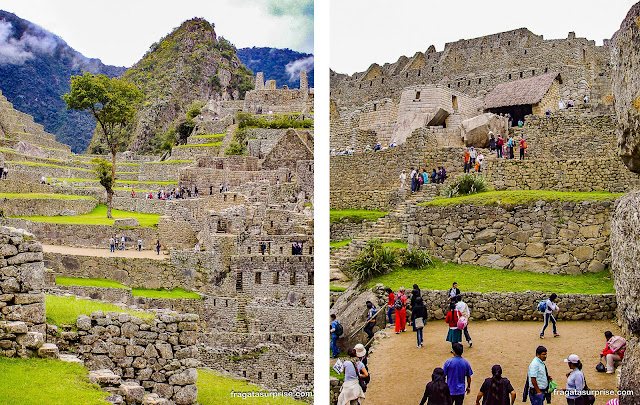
[361, 353]
[496, 390]
[351, 389]
[537, 377]
[575, 380]
[403, 178]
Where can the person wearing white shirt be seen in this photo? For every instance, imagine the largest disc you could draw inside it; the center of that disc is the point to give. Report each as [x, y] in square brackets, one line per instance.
[480, 160]
[548, 315]
[463, 308]
[403, 178]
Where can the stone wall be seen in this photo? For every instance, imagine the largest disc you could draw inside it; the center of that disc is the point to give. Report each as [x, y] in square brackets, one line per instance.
[89, 236]
[204, 177]
[159, 354]
[304, 175]
[22, 301]
[161, 171]
[348, 230]
[548, 236]
[383, 200]
[600, 174]
[46, 206]
[149, 206]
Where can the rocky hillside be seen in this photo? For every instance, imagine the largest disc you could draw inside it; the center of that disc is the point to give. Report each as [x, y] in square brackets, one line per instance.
[35, 67]
[188, 65]
[282, 65]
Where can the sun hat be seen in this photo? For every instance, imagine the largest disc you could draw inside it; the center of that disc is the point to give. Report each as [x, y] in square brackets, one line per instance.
[360, 350]
[572, 359]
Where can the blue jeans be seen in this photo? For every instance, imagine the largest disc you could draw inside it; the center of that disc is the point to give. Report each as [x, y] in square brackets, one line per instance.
[536, 399]
[390, 311]
[334, 345]
[546, 323]
[112, 248]
[419, 336]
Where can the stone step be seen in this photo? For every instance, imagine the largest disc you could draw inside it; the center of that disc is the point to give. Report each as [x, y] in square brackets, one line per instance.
[71, 358]
[49, 351]
[105, 378]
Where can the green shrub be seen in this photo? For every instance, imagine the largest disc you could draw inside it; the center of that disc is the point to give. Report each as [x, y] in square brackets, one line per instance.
[194, 109]
[374, 260]
[466, 184]
[235, 148]
[415, 258]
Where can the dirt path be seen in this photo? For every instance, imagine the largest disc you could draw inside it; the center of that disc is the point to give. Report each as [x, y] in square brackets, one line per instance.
[131, 253]
[400, 371]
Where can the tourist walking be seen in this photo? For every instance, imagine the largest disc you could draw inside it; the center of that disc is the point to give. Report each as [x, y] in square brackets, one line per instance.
[403, 178]
[472, 156]
[550, 306]
[122, 240]
[480, 160]
[510, 147]
[466, 158]
[419, 180]
[575, 380]
[418, 318]
[454, 335]
[400, 306]
[537, 377]
[353, 371]
[371, 319]
[453, 292]
[457, 369]
[139, 245]
[361, 354]
[463, 309]
[391, 301]
[336, 330]
[158, 246]
[112, 244]
[613, 351]
[437, 390]
[496, 390]
[523, 147]
[434, 177]
[413, 179]
[425, 176]
[492, 142]
[499, 146]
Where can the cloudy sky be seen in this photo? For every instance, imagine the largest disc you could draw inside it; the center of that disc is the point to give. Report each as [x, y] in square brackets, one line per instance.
[119, 32]
[367, 31]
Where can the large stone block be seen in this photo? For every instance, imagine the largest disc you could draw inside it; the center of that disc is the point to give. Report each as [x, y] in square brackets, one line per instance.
[31, 340]
[186, 395]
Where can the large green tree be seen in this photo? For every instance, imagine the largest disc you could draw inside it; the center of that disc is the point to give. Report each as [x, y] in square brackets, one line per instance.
[113, 103]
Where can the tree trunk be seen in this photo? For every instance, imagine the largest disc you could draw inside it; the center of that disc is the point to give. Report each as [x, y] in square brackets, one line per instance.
[113, 183]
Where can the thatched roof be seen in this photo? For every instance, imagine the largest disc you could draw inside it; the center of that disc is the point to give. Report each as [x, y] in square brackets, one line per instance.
[521, 92]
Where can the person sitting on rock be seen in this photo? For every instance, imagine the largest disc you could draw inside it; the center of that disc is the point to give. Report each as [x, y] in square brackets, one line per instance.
[613, 351]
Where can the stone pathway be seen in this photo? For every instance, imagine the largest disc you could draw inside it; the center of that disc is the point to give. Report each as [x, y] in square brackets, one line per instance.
[134, 254]
[510, 344]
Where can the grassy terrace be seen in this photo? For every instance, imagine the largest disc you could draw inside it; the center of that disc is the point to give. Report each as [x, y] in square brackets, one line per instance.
[355, 216]
[199, 145]
[208, 136]
[29, 196]
[38, 164]
[51, 382]
[97, 217]
[170, 161]
[487, 279]
[65, 310]
[136, 292]
[215, 389]
[77, 180]
[521, 197]
[339, 244]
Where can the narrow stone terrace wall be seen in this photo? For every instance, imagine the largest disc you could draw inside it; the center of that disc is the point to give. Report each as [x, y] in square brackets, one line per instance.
[45, 206]
[553, 237]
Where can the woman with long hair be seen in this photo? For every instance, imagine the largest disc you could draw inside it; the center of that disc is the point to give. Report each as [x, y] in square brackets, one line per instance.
[455, 334]
[401, 311]
[496, 390]
[419, 319]
[437, 390]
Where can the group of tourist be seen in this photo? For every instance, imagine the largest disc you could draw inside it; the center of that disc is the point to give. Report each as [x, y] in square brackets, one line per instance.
[506, 149]
[473, 160]
[368, 148]
[418, 177]
[176, 193]
[296, 248]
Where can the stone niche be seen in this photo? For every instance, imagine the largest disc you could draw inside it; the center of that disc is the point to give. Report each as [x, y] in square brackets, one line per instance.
[22, 302]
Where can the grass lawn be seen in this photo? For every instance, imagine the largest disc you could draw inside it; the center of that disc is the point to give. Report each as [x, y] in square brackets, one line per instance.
[521, 197]
[215, 389]
[174, 293]
[90, 282]
[333, 373]
[487, 279]
[170, 161]
[65, 310]
[98, 217]
[396, 245]
[339, 244]
[199, 145]
[162, 183]
[335, 288]
[51, 382]
[356, 216]
[38, 164]
[30, 196]
[208, 136]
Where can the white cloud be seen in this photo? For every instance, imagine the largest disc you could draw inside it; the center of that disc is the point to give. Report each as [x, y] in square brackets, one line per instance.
[17, 51]
[294, 68]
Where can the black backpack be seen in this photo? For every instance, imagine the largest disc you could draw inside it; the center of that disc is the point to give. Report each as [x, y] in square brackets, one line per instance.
[339, 329]
[398, 303]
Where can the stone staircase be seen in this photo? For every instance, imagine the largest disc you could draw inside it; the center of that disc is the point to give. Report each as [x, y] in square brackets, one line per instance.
[242, 324]
[389, 228]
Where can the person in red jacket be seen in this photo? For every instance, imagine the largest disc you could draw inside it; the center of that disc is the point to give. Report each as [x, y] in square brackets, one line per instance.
[400, 306]
[390, 303]
[455, 334]
[613, 351]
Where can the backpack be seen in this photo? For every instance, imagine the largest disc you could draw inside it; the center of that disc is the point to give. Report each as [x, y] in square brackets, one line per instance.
[339, 329]
[398, 303]
[524, 144]
[542, 306]
[462, 322]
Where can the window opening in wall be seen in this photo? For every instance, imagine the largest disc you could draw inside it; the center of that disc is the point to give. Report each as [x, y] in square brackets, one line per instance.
[310, 278]
[584, 54]
[360, 86]
[281, 250]
[263, 248]
[509, 76]
[449, 85]
[479, 81]
[244, 374]
[291, 376]
[469, 83]
[296, 339]
[533, 72]
[432, 69]
[238, 281]
[259, 375]
[382, 81]
[224, 197]
[508, 42]
[235, 197]
[521, 74]
[458, 84]
[417, 95]
[292, 279]
[310, 250]
[268, 338]
[406, 74]
[306, 376]
[258, 277]
[371, 83]
[454, 102]
[275, 376]
[419, 72]
[226, 303]
[546, 70]
[375, 107]
[214, 302]
[525, 51]
[272, 224]
[276, 277]
[249, 250]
